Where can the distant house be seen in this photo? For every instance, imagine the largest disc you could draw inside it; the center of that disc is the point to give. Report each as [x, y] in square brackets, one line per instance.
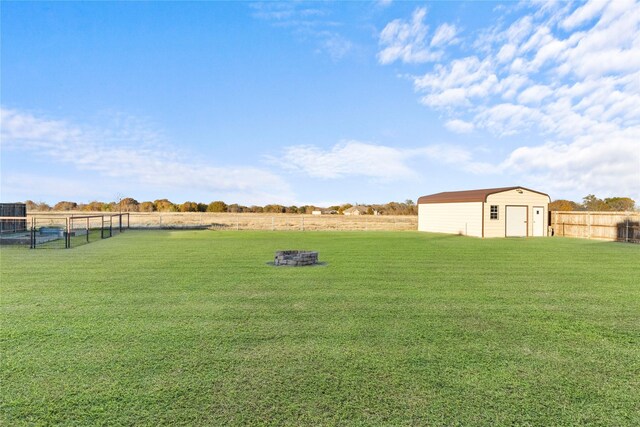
[490, 212]
[355, 210]
[316, 212]
[359, 210]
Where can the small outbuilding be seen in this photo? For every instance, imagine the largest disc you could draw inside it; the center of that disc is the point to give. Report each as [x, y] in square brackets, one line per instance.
[356, 210]
[490, 212]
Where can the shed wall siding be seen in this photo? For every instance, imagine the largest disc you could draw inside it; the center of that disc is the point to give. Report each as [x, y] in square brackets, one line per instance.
[496, 228]
[453, 218]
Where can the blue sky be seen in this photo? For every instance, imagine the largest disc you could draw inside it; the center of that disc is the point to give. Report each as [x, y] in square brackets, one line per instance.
[317, 103]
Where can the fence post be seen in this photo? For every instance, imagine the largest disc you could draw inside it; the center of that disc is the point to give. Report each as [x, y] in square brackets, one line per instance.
[273, 225]
[32, 235]
[237, 223]
[67, 237]
[588, 225]
[87, 229]
[303, 223]
[626, 232]
[160, 224]
[120, 222]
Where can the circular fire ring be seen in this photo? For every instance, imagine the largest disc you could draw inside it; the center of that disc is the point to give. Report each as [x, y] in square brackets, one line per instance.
[295, 258]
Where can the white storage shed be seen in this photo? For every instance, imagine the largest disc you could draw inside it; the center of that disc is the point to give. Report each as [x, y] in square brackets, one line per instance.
[490, 212]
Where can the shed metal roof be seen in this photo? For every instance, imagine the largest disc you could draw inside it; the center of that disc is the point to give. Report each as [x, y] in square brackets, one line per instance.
[468, 195]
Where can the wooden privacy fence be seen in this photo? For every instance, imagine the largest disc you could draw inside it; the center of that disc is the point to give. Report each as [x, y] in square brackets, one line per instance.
[619, 226]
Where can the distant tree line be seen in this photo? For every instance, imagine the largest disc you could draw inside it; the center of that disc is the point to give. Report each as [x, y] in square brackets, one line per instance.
[408, 207]
[129, 204]
[592, 203]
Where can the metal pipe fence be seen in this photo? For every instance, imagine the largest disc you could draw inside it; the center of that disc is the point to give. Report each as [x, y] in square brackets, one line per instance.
[264, 221]
[272, 222]
[64, 232]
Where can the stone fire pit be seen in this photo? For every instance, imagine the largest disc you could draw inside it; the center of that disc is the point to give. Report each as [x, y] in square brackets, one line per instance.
[296, 258]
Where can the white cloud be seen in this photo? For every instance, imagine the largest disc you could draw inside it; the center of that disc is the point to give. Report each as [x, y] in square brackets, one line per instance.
[506, 53]
[457, 84]
[18, 187]
[406, 41]
[611, 46]
[604, 163]
[443, 35]
[459, 126]
[583, 14]
[336, 46]
[132, 153]
[307, 21]
[447, 98]
[349, 158]
[377, 162]
[538, 39]
[285, 11]
[461, 74]
[510, 86]
[561, 72]
[459, 157]
[508, 119]
[28, 129]
[534, 94]
[519, 30]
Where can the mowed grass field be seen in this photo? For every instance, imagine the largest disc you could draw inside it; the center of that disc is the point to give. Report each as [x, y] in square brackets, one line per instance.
[397, 328]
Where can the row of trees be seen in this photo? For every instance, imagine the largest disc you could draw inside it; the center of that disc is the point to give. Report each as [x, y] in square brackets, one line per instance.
[592, 203]
[408, 207]
[129, 204]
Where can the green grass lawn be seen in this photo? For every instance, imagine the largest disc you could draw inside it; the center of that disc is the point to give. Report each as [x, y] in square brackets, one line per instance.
[405, 328]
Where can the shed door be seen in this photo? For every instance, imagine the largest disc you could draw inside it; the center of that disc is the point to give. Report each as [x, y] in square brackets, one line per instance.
[538, 221]
[516, 219]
